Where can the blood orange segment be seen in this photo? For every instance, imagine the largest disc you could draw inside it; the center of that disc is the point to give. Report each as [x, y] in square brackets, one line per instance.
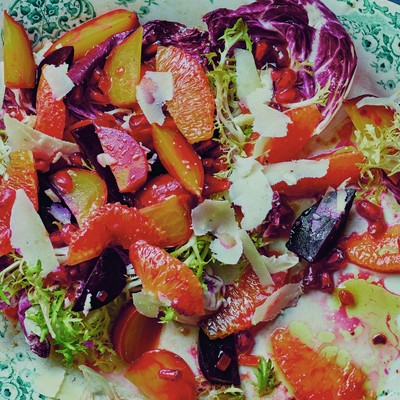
[344, 164]
[7, 197]
[110, 224]
[50, 113]
[242, 300]
[314, 376]
[368, 251]
[162, 274]
[21, 174]
[192, 106]
[304, 121]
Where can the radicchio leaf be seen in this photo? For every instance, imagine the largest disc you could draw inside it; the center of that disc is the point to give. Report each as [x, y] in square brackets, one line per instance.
[309, 31]
[42, 349]
[192, 40]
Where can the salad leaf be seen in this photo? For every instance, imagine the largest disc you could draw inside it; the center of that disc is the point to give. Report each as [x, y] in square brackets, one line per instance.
[266, 379]
[223, 81]
[74, 336]
[193, 41]
[84, 67]
[381, 148]
[39, 346]
[309, 32]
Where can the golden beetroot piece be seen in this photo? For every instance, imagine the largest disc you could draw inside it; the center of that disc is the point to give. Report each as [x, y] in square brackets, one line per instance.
[122, 71]
[96, 31]
[19, 65]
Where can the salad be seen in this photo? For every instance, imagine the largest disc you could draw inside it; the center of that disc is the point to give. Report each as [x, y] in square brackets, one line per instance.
[201, 212]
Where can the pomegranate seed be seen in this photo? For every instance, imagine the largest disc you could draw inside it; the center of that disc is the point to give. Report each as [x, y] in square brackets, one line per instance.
[335, 259]
[223, 362]
[346, 297]
[281, 55]
[56, 239]
[262, 47]
[368, 210]
[244, 342]
[286, 96]
[64, 181]
[220, 164]
[76, 159]
[287, 79]
[42, 165]
[311, 279]
[376, 228]
[101, 295]
[327, 284]
[380, 338]
[169, 374]
[276, 74]
[66, 231]
[207, 163]
[74, 272]
[205, 146]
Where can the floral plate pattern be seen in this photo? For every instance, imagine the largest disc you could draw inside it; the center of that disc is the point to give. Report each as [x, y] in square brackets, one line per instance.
[373, 25]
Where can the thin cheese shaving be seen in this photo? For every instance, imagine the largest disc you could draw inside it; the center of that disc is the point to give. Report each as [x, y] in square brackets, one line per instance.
[292, 171]
[251, 191]
[153, 91]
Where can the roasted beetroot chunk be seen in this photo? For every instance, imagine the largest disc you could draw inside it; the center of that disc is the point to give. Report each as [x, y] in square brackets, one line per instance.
[106, 281]
[318, 228]
[218, 359]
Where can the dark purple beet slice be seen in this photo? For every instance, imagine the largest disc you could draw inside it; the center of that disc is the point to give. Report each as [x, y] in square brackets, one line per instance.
[90, 145]
[315, 233]
[214, 355]
[105, 282]
[57, 57]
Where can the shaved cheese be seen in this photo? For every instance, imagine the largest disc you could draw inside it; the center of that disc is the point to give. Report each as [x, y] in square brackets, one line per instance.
[292, 171]
[2, 84]
[58, 80]
[341, 201]
[88, 304]
[213, 216]
[247, 79]
[105, 159]
[391, 102]
[256, 260]
[153, 91]
[29, 236]
[284, 297]
[23, 137]
[282, 262]
[251, 191]
[48, 377]
[227, 251]
[39, 55]
[218, 218]
[146, 304]
[268, 121]
[256, 91]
